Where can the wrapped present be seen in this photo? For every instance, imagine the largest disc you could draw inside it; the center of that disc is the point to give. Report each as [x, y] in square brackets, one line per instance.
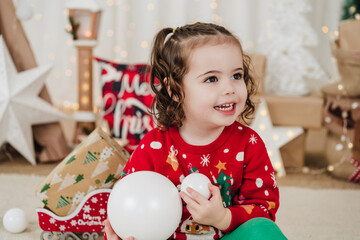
[293, 153]
[126, 100]
[305, 111]
[96, 163]
[342, 116]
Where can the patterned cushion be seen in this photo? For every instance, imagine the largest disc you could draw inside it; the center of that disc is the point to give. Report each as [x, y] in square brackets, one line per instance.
[127, 98]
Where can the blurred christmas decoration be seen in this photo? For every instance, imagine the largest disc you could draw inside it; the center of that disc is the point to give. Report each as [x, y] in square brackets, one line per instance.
[274, 137]
[49, 138]
[351, 9]
[84, 19]
[126, 100]
[285, 42]
[20, 105]
[73, 28]
[24, 12]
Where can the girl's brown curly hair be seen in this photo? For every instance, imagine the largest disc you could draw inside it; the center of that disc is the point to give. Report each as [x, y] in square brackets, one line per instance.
[169, 55]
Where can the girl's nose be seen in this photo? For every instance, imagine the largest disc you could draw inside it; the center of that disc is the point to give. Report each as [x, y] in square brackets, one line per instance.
[229, 87]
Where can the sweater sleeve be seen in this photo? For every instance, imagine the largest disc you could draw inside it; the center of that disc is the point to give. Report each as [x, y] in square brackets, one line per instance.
[258, 195]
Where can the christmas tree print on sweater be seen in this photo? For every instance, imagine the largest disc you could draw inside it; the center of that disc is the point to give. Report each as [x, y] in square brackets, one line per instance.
[224, 182]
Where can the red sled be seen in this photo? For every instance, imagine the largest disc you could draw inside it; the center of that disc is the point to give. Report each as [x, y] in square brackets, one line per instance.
[88, 217]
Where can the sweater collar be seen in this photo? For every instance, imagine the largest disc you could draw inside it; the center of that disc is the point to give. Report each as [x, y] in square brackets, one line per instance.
[195, 149]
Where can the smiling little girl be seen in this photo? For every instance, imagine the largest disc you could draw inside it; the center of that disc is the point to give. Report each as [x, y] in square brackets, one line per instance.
[204, 85]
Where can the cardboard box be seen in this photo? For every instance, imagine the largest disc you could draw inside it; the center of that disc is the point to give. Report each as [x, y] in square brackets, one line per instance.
[258, 70]
[293, 153]
[96, 163]
[304, 111]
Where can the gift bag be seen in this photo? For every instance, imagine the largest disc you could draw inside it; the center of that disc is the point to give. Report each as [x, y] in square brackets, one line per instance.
[95, 163]
[346, 50]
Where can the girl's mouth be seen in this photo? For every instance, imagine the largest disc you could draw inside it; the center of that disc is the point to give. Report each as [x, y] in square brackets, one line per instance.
[225, 107]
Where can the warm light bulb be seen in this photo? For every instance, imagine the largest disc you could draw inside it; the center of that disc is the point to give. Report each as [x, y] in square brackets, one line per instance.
[124, 54]
[51, 56]
[262, 127]
[84, 100]
[38, 16]
[68, 73]
[85, 87]
[340, 87]
[339, 147]
[352, 9]
[263, 112]
[87, 33]
[213, 5]
[110, 33]
[325, 29]
[150, 6]
[87, 74]
[144, 44]
[354, 105]
[276, 137]
[305, 170]
[330, 168]
[290, 133]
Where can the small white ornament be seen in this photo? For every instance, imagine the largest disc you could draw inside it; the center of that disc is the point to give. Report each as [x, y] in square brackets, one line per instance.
[24, 12]
[197, 181]
[15, 221]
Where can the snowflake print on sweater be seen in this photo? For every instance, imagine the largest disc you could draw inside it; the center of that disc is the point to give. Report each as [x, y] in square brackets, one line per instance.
[205, 159]
[237, 162]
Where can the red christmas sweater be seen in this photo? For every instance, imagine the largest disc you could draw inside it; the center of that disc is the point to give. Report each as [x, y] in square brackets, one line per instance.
[237, 162]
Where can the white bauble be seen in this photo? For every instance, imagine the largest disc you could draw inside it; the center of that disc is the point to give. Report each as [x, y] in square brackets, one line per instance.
[24, 12]
[197, 181]
[146, 205]
[14, 220]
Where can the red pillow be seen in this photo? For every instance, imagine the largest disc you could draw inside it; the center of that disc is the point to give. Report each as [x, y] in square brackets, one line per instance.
[127, 97]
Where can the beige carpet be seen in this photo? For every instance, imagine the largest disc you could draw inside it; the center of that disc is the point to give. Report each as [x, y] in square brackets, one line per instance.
[304, 213]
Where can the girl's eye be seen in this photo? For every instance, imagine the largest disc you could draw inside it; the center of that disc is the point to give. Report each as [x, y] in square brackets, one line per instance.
[211, 79]
[237, 76]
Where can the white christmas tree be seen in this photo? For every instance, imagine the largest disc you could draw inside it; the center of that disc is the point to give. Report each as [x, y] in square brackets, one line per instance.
[285, 41]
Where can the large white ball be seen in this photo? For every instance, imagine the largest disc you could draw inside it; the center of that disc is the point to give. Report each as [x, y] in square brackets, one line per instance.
[197, 181]
[14, 220]
[145, 205]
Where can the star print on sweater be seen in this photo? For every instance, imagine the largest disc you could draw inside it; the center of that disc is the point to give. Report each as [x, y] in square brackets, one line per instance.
[236, 162]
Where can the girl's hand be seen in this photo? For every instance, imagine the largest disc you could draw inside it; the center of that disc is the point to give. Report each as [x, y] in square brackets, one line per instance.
[110, 233]
[207, 211]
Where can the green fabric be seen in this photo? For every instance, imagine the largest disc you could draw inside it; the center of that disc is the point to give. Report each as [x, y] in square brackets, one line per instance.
[256, 229]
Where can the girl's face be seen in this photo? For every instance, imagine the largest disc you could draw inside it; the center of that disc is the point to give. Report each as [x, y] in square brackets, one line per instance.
[214, 87]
